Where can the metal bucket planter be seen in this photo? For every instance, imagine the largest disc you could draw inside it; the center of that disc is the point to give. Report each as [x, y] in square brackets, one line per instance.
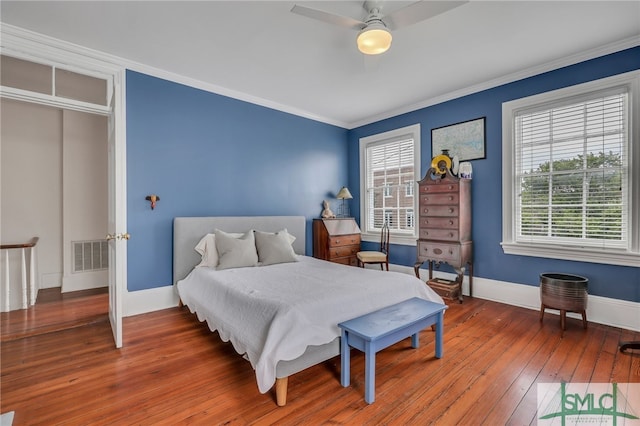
[565, 292]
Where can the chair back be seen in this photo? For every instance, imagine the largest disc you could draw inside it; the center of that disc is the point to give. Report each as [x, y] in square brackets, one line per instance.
[384, 238]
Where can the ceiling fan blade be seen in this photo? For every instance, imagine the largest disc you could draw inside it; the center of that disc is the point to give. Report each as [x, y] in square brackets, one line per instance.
[419, 11]
[342, 21]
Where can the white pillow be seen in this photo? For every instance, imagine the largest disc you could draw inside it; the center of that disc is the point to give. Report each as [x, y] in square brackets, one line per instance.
[291, 238]
[207, 249]
[236, 252]
[275, 247]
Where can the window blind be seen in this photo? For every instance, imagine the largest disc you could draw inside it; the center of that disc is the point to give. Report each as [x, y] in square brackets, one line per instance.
[572, 171]
[389, 172]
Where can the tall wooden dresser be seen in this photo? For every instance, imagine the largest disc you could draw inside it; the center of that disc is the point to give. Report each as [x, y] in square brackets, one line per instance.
[444, 233]
[336, 240]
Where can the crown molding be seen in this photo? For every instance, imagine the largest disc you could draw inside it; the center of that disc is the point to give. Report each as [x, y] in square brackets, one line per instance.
[29, 44]
[509, 78]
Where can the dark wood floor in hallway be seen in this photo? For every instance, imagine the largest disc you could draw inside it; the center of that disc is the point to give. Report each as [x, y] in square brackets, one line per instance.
[55, 311]
[173, 370]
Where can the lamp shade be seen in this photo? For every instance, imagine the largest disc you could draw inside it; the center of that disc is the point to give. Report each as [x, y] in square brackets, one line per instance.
[374, 39]
[344, 194]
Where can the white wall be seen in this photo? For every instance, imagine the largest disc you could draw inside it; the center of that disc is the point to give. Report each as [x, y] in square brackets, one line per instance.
[31, 186]
[84, 192]
[54, 186]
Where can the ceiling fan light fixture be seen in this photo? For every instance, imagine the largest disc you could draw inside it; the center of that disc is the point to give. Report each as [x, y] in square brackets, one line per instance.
[374, 39]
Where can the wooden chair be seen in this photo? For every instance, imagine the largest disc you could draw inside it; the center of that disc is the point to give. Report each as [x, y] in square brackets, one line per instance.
[377, 257]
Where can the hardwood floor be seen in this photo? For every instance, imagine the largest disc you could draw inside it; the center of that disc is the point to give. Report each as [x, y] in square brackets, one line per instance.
[173, 370]
[55, 311]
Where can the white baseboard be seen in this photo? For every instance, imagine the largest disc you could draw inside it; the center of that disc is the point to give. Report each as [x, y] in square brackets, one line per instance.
[85, 281]
[50, 280]
[153, 299]
[601, 310]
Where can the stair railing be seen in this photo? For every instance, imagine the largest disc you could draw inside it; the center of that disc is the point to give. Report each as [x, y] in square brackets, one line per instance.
[28, 282]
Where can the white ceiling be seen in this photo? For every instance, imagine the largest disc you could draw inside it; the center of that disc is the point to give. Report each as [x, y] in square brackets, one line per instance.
[261, 52]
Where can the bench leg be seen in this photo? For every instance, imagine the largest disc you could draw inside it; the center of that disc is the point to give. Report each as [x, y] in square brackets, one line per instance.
[439, 334]
[369, 373]
[345, 361]
[415, 340]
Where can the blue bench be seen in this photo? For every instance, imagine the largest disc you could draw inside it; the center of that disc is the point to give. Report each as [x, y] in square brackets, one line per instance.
[380, 329]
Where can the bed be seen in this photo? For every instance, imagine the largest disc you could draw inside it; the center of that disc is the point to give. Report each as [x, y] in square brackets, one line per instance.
[281, 316]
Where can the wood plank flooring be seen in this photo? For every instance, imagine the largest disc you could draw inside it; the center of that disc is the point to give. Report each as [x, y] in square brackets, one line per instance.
[55, 311]
[173, 370]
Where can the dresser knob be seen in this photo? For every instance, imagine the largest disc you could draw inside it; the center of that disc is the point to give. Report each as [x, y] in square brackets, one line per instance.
[450, 198]
[451, 234]
[450, 222]
[450, 210]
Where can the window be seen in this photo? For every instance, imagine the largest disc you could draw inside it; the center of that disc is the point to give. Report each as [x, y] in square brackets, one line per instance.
[569, 171]
[409, 189]
[389, 166]
[388, 218]
[410, 219]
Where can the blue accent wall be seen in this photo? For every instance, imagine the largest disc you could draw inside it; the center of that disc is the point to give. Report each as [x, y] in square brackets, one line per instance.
[206, 155]
[617, 282]
[209, 155]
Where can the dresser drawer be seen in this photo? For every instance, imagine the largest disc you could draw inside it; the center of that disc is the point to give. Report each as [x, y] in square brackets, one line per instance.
[439, 222]
[444, 187]
[445, 211]
[443, 198]
[343, 251]
[434, 250]
[344, 240]
[439, 234]
[349, 261]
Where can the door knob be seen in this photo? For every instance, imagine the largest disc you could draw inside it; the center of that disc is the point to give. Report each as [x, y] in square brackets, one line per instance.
[124, 236]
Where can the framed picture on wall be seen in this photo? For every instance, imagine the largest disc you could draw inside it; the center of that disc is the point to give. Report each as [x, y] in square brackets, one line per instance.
[465, 139]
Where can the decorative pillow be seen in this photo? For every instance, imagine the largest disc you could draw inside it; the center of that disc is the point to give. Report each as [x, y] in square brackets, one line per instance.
[236, 252]
[275, 247]
[207, 249]
[291, 238]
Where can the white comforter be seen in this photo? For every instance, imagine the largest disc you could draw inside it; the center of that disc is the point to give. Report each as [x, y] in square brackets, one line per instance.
[272, 313]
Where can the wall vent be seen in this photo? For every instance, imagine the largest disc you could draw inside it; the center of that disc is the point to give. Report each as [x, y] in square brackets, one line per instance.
[90, 255]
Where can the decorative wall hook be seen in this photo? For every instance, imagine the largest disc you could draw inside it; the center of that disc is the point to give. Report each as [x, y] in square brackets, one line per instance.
[153, 199]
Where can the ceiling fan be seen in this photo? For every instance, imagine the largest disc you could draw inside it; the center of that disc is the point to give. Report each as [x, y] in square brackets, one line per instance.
[374, 35]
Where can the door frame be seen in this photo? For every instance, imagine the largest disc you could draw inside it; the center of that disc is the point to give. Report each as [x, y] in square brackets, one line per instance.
[30, 46]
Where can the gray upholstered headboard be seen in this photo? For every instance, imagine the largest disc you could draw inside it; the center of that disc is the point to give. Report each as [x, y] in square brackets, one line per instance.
[187, 232]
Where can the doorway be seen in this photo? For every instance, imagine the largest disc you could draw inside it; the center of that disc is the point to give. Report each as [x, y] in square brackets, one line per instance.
[58, 76]
[54, 187]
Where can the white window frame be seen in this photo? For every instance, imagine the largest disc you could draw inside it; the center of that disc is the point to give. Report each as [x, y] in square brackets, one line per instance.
[410, 216]
[410, 190]
[606, 255]
[368, 233]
